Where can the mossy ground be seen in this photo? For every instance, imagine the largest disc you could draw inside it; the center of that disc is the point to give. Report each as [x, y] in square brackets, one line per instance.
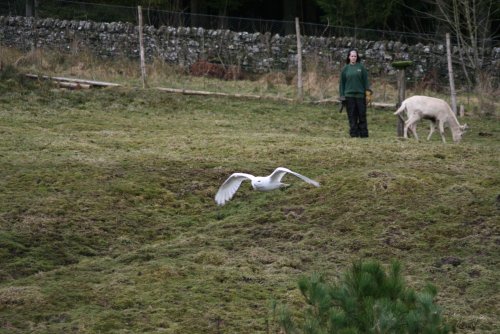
[108, 223]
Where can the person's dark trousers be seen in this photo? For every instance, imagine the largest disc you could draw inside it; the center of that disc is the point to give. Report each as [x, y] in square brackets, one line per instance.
[356, 112]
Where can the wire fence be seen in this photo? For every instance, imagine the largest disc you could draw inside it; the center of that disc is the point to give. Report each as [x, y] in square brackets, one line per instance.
[76, 10]
[320, 81]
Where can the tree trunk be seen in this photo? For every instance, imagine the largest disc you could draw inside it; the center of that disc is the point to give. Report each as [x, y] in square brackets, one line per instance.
[30, 8]
[450, 75]
[222, 17]
[289, 12]
[196, 8]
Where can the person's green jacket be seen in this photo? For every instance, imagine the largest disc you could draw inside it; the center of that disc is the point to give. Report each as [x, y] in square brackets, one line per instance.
[353, 81]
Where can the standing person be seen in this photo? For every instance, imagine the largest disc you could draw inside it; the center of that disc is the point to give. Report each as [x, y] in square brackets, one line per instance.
[352, 88]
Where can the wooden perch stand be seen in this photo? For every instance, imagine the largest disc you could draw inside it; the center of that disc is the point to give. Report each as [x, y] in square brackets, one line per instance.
[401, 66]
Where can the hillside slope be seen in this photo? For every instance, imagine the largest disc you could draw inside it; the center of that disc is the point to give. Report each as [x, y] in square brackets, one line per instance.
[108, 223]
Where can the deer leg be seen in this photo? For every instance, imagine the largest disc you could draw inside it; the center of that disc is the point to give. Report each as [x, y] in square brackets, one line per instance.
[411, 124]
[413, 129]
[405, 132]
[433, 128]
[441, 130]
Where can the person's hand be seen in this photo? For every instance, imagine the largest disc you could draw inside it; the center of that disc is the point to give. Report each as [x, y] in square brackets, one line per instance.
[342, 100]
[343, 103]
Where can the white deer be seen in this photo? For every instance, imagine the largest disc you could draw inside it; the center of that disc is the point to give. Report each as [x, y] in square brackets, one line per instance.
[436, 110]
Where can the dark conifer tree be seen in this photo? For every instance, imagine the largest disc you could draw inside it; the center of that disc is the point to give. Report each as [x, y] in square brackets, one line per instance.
[366, 300]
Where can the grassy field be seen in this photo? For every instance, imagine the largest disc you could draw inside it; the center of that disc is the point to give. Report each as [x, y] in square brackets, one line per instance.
[108, 223]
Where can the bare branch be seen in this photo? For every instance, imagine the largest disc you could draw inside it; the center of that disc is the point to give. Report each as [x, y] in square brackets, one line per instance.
[470, 21]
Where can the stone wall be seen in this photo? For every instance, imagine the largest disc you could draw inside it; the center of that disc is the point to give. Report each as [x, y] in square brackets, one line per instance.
[254, 52]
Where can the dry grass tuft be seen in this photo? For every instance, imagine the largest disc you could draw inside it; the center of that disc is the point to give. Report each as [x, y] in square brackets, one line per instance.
[27, 296]
[320, 82]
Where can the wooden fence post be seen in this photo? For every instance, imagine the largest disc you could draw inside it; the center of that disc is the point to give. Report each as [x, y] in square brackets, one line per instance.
[300, 93]
[141, 48]
[401, 66]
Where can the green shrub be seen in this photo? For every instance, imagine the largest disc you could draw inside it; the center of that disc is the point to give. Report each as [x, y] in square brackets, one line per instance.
[366, 300]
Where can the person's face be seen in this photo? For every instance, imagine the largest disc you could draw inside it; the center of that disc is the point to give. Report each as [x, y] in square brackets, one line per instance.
[353, 56]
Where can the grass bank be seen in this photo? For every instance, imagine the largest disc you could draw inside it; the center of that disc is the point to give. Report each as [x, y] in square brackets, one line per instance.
[108, 223]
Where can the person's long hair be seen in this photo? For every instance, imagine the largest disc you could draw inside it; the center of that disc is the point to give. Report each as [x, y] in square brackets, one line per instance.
[358, 59]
